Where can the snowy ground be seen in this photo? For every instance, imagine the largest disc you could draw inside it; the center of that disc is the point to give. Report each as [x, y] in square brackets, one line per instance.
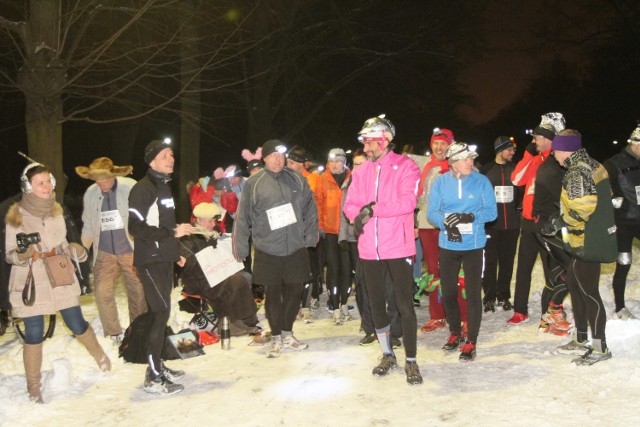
[516, 379]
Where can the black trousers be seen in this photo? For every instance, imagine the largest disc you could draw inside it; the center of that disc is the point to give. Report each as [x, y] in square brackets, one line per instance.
[527, 253]
[450, 264]
[557, 266]
[338, 270]
[400, 270]
[157, 282]
[625, 235]
[588, 309]
[499, 254]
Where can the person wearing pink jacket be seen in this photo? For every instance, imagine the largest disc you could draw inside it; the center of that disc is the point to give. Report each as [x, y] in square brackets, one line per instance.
[381, 203]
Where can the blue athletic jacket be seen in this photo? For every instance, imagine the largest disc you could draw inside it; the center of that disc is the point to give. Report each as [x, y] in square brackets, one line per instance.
[469, 194]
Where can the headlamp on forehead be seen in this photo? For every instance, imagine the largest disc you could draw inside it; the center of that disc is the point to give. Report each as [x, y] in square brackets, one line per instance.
[528, 131]
[281, 149]
[166, 141]
[437, 131]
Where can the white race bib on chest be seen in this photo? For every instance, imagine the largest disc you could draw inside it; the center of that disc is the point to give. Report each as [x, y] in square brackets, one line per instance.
[110, 220]
[281, 216]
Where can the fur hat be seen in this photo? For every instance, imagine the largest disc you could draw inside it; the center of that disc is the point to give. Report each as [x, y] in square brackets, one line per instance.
[207, 210]
[102, 168]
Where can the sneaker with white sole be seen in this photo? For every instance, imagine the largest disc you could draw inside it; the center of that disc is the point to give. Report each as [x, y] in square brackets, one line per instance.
[337, 317]
[344, 311]
[172, 374]
[574, 348]
[592, 356]
[290, 342]
[305, 315]
[276, 348]
[624, 314]
[161, 385]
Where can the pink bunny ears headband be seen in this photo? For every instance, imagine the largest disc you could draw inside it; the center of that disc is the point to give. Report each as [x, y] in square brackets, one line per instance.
[248, 155]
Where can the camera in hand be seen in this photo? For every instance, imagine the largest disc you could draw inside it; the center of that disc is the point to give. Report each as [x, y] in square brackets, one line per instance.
[24, 240]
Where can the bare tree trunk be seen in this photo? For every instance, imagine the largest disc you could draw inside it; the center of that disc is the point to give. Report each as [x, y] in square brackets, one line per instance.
[42, 79]
[189, 143]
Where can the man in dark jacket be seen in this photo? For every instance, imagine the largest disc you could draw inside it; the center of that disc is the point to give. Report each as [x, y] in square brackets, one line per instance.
[587, 225]
[152, 223]
[502, 234]
[279, 213]
[624, 173]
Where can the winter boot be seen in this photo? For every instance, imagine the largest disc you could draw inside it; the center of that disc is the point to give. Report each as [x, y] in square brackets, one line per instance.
[88, 339]
[32, 357]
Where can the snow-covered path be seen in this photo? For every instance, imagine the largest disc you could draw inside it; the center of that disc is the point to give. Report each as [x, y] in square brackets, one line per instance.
[516, 380]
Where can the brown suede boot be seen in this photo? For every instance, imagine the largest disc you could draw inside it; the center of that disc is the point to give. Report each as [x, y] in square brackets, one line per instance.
[32, 357]
[88, 339]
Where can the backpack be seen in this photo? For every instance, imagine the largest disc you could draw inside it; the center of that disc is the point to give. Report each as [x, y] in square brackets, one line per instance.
[133, 348]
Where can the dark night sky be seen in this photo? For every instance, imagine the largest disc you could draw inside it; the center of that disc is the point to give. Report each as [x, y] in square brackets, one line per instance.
[519, 41]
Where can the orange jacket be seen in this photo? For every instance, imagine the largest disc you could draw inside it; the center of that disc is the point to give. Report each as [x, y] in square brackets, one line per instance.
[312, 180]
[330, 202]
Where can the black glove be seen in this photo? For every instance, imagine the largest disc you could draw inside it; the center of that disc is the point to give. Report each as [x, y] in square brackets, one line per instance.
[453, 234]
[363, 217]
[459, 218]
[531, 148]
[551, 227]
[344, 245]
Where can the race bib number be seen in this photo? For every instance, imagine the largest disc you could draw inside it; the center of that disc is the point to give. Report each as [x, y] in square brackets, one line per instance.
[281, 216]
[638, 194]
[111, 220]
[504, 193]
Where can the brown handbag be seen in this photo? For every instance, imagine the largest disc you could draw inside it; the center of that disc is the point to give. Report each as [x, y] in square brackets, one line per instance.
[59, 269]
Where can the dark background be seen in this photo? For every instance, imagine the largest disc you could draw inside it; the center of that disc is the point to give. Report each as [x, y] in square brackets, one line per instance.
[482, 69]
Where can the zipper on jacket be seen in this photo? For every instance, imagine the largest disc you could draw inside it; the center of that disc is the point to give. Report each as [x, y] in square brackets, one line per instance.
[375, 219]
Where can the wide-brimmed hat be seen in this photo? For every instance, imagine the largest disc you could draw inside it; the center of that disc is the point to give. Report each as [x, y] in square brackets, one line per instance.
[102, 168]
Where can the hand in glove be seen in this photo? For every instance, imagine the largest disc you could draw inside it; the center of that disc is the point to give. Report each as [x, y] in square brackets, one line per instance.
[531, 148]
[321, 233]
[459, 218]
[552, 226]
[453, 234]
[26, 255]
[363, 217]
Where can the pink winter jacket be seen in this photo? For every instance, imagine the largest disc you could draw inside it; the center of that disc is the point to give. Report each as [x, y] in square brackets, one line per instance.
[392, 183]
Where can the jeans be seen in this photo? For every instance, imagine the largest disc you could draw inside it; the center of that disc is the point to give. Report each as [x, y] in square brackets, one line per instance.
[34, 325]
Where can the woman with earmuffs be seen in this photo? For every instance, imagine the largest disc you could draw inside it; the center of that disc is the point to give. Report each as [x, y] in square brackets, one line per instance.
[35, 231]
